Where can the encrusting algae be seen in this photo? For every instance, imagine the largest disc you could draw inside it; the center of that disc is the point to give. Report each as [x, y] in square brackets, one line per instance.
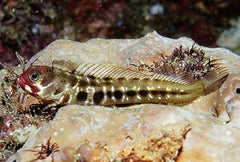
[99, 84]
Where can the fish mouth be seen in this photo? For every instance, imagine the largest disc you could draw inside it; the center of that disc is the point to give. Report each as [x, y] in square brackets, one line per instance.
[26, 86]
[21, 82]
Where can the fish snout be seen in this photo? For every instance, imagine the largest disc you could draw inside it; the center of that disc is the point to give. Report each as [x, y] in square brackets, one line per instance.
[26, 86]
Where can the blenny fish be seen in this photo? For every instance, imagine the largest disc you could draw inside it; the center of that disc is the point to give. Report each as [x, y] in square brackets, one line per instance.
[107, 85]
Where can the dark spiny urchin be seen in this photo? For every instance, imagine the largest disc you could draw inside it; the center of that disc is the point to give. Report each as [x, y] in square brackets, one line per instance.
[189, 61]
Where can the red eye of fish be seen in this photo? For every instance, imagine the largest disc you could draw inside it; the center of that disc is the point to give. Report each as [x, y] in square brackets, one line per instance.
[34, 76]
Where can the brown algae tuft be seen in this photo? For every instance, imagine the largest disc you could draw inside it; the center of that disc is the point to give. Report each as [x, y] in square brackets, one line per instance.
[182, 60]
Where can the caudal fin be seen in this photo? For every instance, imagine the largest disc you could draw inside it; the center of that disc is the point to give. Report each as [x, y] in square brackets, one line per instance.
[215, 78]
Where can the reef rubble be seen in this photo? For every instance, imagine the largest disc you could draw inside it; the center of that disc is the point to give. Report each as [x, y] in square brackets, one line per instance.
[148, 132]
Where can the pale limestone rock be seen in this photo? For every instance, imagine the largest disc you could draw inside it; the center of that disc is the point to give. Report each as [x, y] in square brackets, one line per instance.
[209, 139]
[95, 133]
[118, 131]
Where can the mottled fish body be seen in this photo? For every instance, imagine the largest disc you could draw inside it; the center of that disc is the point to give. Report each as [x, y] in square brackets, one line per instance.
[97, 84]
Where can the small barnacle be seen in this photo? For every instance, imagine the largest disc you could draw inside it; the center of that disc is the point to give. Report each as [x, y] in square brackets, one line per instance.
[45, 150]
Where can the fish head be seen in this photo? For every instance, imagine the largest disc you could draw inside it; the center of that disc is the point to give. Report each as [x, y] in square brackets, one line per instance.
[32, 79]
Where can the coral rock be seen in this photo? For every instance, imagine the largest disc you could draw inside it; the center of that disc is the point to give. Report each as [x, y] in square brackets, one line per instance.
[151, 132]
[104, 133]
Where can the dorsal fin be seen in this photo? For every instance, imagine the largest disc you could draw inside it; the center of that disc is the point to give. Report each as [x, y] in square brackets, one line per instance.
[215, 78]
[108, 71]
[65, 65]
[111, 71]
[181, 78]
